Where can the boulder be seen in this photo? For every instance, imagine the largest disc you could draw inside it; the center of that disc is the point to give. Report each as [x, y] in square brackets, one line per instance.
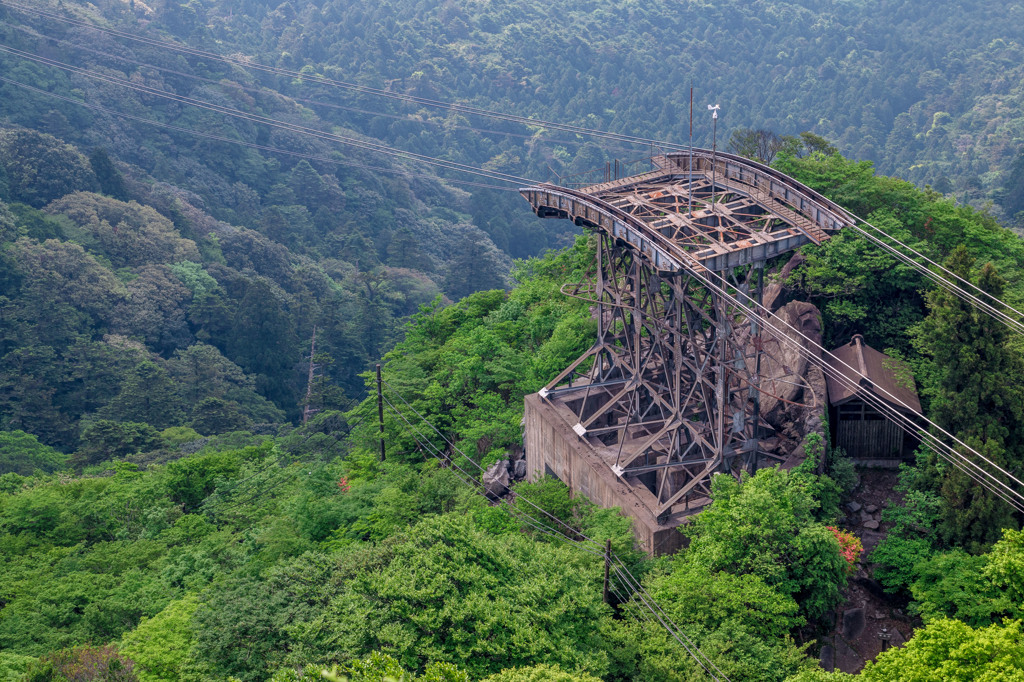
[853, 623]
[496, 479]
[776, 293]
[793, 390]
[519, 472]
[827, 658]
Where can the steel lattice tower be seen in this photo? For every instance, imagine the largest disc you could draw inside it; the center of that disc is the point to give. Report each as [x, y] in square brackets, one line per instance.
[669, 393]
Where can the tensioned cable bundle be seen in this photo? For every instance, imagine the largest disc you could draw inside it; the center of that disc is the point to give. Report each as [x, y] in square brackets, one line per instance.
[276, 150]
[311, 102]
[256, 118]
[981, 475]
[1014, 324]
[363, 89]
[959, 460]
[586, 544]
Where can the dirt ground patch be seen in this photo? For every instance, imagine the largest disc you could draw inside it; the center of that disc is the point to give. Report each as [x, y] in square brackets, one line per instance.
[868, 621]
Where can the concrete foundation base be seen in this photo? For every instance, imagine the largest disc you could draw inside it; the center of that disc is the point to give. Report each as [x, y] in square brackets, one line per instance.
[553, 448]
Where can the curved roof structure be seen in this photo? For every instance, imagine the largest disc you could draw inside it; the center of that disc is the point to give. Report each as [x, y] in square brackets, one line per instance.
[710, 209]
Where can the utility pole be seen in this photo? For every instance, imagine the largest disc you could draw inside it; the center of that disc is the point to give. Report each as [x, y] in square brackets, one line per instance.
[607, 569]
[714, 150]
[380, 411]
[307, 411]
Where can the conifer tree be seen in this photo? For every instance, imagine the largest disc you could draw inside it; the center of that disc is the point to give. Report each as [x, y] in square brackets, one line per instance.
[976, 387]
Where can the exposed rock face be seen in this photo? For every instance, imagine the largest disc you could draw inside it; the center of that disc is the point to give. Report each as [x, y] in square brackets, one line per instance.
[776, 293]
[793, 397]
[496, 479]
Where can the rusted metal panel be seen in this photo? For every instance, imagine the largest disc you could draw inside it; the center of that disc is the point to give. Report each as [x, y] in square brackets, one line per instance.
[669, 393]
[746, 199]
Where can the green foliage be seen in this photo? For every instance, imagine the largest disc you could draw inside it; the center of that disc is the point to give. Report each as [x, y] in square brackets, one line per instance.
[759, 145]
[467, 367]
[21, 453]
[104, 440]
[191, 480]
[8, 229]
[950, 650]
[14, 667]
[450, 593]
[912, 538]
[152, 315]
[558, 509]
[148, 395]
[976, 391]
[978, 590]
[692, 595]
[127, 234]
[108, 177]
[179, 435]
[40, 168]
[739, 655]
[383, 668]
[216, 415]
[767, 526]
[160, 644]
[539, 673]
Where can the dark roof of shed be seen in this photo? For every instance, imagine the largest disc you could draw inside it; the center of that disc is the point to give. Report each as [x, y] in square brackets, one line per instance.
[886, 377]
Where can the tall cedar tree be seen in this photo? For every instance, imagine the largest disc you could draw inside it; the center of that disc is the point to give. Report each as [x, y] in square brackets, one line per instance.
[977, 393]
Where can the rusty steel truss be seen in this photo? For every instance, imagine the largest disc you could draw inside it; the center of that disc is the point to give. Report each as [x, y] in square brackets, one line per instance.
[669, 394]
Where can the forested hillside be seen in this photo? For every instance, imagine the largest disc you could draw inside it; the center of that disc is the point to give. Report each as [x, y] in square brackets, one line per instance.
[269, 557]
[195, 249]
[931, 92]
[882, 81]
[157, 314]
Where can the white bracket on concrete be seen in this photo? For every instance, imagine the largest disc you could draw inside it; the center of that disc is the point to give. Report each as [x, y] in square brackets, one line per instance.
[543, 393]
[618, 470]
[580, 430]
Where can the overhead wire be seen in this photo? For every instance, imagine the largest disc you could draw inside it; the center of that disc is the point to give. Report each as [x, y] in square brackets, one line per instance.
[591, 546]
[1013, 497]
[265, 120]
[423, 101]
[429, 102]
[479, 485]
[1016, 325]
[977, 473]
[469, 459]
[264, 90]
[275, 150]
[363, 89]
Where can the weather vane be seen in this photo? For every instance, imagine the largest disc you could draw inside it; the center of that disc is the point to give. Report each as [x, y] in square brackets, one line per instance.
[713, 108]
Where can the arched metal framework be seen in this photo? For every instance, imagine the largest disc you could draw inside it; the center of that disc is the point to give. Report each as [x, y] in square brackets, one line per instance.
[669, 393]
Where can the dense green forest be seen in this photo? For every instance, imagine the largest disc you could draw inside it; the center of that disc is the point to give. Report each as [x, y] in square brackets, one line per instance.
[277, 555]
[882, 80]
[178, 284]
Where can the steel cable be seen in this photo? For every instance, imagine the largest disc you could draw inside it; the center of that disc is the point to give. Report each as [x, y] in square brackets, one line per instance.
[256, 118]
[618, 565]
[276, 150]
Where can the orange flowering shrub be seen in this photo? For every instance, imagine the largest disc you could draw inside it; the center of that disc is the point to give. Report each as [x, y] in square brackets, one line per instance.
[849, 546]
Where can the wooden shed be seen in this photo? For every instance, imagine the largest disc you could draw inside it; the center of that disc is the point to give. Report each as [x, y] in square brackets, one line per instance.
[859, 428]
